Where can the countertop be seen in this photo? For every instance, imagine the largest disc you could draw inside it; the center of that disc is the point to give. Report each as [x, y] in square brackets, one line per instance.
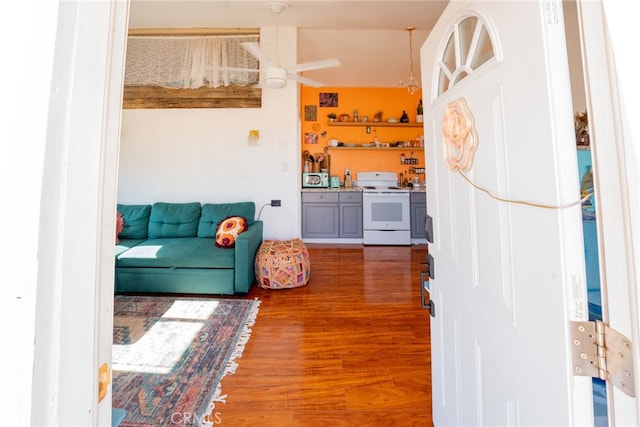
[356, 188]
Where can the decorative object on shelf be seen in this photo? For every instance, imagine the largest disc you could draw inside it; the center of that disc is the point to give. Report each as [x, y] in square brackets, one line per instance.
[332, 117]
[419, 112]
[581, 122]
[377, 117]
[364, 119]
[355, 115]
[413, 85]
[391, 122]
[404, 118]
[345, 118]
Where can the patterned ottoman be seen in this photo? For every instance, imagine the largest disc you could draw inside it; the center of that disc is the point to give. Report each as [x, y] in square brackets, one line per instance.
[282, 264]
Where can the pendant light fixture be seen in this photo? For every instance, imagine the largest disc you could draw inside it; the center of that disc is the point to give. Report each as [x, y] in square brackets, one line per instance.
[413, 85]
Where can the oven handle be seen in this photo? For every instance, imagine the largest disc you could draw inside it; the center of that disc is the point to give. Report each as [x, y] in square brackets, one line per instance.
[386, 193]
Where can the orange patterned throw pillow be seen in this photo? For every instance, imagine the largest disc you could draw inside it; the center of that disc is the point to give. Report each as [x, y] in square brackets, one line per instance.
[228, 231]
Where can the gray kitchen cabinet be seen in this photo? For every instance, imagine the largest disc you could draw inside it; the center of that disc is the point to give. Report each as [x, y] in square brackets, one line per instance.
[320, 214]
[418, 214]
[350, 214]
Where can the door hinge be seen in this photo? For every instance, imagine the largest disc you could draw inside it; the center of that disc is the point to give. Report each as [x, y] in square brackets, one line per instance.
[602, 352]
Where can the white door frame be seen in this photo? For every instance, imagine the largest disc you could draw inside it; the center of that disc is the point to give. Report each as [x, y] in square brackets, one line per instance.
[604, 31]
[76, 231]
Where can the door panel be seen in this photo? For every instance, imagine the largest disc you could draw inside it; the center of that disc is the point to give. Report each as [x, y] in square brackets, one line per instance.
[509, 261]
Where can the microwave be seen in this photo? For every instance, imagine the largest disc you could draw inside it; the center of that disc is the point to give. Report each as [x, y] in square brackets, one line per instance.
[315, 179]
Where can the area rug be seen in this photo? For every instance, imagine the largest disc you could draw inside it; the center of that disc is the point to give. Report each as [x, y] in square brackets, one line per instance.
[170, 354]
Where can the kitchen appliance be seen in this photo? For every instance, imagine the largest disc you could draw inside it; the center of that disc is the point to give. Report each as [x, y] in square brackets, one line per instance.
[385, 209]
[334, 182]
[315, 179]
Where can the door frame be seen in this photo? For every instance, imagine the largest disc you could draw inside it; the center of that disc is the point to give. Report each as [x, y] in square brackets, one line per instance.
[628, 197]
[615, 181]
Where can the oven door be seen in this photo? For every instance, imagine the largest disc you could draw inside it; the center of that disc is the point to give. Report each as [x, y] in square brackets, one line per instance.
[385, 211]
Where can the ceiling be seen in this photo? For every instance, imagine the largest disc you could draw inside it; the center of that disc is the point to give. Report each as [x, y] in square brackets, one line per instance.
[369, 38]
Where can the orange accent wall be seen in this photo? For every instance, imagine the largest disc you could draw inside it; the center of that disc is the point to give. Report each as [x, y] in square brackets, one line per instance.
[391, 101]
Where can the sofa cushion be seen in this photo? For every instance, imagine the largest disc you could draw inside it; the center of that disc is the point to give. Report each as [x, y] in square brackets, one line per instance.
[228, 231]
[126, 244]
[188, 252]
[136, 221]
[174, 220]
[213, 213]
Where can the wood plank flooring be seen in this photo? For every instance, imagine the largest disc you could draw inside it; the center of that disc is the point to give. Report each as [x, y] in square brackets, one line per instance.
[349, 349]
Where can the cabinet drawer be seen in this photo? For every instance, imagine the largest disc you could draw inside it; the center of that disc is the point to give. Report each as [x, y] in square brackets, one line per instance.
[320, 197]
[418, 197]
[350, 197]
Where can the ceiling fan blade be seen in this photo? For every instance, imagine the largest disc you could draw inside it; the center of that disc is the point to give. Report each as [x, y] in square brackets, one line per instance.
[304, 80]
[315, 65]
[254, 49]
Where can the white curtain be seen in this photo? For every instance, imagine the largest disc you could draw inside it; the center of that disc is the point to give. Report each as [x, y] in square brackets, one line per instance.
[189, 62]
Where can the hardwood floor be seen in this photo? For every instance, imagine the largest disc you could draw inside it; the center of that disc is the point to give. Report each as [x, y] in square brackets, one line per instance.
[349, 349]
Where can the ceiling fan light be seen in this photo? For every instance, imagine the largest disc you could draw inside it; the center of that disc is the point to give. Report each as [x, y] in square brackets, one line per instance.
[276, 78]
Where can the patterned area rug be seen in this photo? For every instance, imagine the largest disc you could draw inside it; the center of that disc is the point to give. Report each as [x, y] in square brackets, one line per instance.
[170, 354]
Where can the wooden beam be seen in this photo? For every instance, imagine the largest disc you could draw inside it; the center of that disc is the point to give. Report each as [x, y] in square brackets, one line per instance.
[137, 97]
[198, 31]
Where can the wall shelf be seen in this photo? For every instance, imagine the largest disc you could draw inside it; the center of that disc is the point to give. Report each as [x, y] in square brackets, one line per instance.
[377, 148]
[377, 124]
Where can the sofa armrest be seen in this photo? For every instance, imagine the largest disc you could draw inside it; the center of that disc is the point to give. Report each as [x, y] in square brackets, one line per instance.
[247, 244]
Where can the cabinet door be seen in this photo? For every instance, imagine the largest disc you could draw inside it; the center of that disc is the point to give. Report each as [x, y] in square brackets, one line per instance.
[351, 220]
[320, 220]
[418, 215]
[350, 214]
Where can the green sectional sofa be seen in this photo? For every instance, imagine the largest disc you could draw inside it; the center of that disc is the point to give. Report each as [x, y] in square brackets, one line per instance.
[170, 248]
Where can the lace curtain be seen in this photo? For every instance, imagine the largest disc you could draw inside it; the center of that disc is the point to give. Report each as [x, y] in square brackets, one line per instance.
[189, 62]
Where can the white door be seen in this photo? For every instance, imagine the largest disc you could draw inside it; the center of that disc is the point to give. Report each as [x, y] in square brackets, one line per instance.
[508, 272]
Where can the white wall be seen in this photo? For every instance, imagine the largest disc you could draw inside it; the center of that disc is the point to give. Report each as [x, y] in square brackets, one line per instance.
[183, 155]
[23, 129]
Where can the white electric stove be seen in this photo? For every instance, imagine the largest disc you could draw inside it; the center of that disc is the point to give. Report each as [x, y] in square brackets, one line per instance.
[385, 209]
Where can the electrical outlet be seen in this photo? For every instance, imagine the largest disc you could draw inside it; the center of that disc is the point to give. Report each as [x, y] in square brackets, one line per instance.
[275, 203]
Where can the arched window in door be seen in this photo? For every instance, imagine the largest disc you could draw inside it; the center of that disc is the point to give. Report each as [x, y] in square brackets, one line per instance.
[468, 47]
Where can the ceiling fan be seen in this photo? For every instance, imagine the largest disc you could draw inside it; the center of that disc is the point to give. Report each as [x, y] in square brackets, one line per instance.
[275, 76]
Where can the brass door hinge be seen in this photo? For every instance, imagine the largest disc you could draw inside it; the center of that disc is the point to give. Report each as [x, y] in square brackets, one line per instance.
[602, 352]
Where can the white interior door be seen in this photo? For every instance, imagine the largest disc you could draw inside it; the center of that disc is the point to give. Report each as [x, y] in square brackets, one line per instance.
[508, 272]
